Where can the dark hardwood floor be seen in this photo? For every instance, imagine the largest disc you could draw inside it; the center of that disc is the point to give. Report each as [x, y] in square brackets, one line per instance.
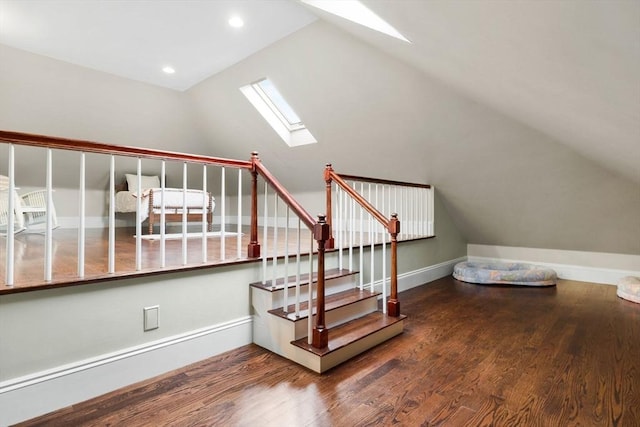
[30, 254]
[29, 248]
[470, 355]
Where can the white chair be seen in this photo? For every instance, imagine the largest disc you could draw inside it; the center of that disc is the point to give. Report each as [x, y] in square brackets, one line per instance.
[4, 212]
[29, 209]
[34, 209]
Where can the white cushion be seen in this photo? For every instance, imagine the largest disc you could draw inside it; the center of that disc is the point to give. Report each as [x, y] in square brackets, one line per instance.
[145, 182]
[629, 288]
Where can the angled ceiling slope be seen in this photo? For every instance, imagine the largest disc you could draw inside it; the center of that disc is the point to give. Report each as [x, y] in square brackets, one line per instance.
[568, 69]
[136, 39]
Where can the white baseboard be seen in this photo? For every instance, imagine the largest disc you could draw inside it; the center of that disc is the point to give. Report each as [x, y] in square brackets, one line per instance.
[424, 275]
[91, 222]
[33, 395]
[603, 268]
[421, 276]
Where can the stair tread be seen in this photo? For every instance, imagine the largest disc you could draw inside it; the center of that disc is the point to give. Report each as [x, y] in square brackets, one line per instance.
[350, 332]
[332, 302]
[332, 273]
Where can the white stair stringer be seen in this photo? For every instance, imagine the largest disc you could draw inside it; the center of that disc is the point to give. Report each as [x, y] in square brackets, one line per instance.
[277, 332]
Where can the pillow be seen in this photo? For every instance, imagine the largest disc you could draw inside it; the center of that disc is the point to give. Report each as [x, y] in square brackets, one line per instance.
[145, 182]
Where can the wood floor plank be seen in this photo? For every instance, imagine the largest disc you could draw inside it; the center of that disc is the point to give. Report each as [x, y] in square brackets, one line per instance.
[469, 355]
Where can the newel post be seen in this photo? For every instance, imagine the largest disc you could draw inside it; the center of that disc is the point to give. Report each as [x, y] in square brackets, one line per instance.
[327, 179]
[253, 250]
[321, 233]
[393, 305]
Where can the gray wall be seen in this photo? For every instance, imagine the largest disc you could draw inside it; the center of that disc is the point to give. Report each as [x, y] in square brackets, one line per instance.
[44, 329]
[503, 182]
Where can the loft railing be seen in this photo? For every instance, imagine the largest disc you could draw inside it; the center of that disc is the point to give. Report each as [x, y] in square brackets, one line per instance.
[370, 200]
[319, 229]
[365, 212]
[108, 154]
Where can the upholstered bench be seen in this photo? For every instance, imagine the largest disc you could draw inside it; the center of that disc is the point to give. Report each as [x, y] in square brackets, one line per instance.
[503, 273]
[629, 288]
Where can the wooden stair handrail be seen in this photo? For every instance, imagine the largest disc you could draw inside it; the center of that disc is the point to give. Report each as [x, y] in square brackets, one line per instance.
[331, 175]
[321, 232]
[392, 225]
[383, 181]
[306, 218]
[120, 150]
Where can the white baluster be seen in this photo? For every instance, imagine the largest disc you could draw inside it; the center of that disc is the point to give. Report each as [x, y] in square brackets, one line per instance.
[163, 211]
[82, 213]
[310, 305]
[264, 235]
[352, 226]
[361, 268]
[298, 271]
[139, 216]
[223, 215]
[112, 216]
[286, 264]
[274, 268]
[11, 208]
[48, 237]
[205, 203]
[340, 230]
[431, 210]
[239, 219]
[384, 274]
[184, 213]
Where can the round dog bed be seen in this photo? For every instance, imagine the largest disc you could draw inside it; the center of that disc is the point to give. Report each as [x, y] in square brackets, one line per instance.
[503, 273]
[629, 288]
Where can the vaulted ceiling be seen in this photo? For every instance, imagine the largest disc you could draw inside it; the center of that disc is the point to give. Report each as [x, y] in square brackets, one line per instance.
[524, 114]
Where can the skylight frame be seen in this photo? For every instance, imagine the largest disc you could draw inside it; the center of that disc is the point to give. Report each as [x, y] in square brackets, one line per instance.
[277, 110]
[293, 134]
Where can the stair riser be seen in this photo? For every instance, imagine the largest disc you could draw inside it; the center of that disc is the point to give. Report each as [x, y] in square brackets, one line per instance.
[338, 316]
[275, 299]
[275, 333]
[323, 364]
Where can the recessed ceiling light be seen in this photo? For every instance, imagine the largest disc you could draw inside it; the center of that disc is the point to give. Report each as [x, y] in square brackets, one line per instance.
[169, 70]
[236, 22]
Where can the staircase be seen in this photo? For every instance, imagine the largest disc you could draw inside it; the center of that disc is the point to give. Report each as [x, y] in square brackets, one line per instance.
[351, 315]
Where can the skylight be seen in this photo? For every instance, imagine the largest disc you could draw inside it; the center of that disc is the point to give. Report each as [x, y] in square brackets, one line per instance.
[274, 99]
[356, 12]
[270, 103]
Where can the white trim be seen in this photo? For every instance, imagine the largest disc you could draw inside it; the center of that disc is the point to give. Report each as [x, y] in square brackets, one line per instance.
[415, 278]
[92, 222]
[428, 274]
[594, 267]
[36, 394]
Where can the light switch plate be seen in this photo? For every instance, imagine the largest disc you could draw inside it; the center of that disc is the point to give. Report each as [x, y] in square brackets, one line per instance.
[151, 315]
